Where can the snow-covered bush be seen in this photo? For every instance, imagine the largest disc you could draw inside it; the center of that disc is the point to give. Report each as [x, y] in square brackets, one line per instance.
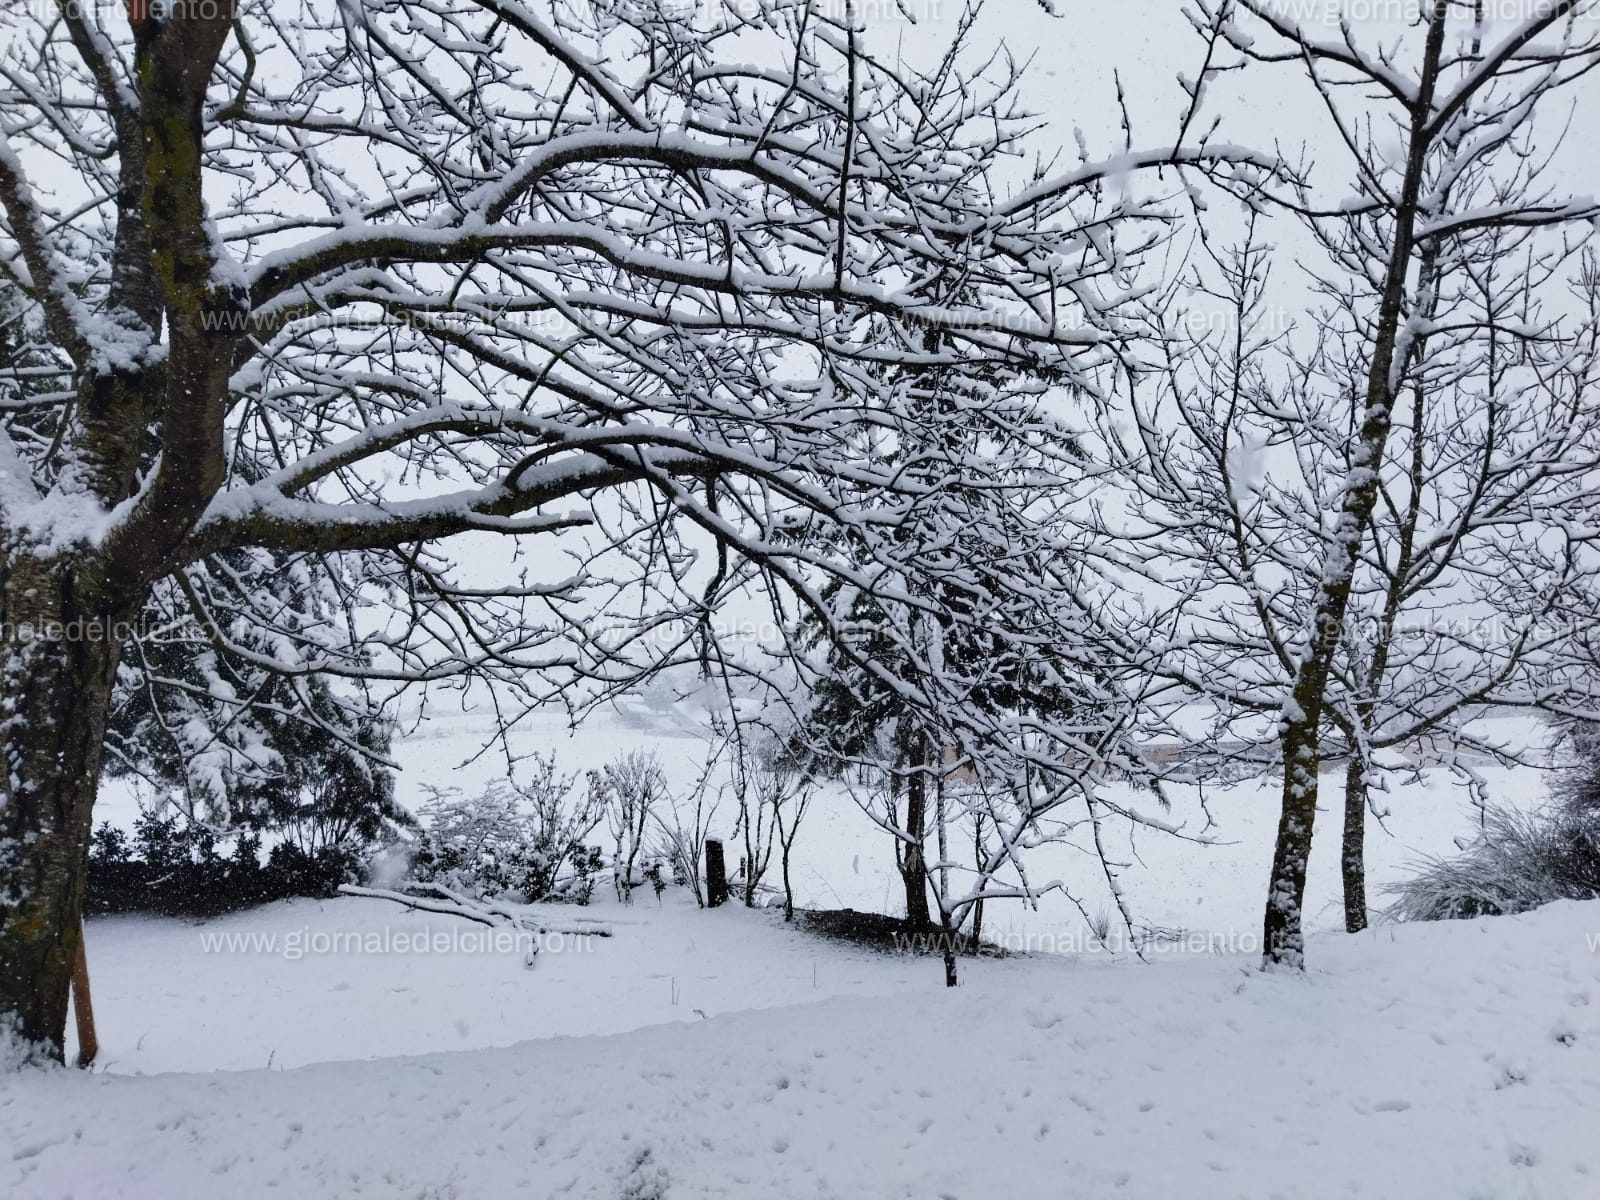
[521, 841]
[1577, 789]
[1519, 860]
[320, 798]
[179, 868]
[629, 790]
[302, 757]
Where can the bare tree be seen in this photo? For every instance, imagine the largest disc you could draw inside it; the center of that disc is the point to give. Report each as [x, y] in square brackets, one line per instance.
[1472, 592]
[1476, 587]
[756, 752]
[683, 826]
[754, 826]
[1406, 272]
[791, 801]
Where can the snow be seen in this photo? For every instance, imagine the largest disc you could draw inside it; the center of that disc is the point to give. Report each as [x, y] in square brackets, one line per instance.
[353, 1048]
[232, 994]
[1040, 1078]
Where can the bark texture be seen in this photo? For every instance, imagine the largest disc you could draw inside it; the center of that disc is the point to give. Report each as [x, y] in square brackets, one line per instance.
[913, 861]
[60, 663]
[1353, 855]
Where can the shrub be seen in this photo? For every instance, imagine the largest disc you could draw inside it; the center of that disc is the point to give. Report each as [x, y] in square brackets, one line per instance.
[177, 869]
[294, 871]
[331, 799]
[522, 842]
[1519, 860]
[629, 790]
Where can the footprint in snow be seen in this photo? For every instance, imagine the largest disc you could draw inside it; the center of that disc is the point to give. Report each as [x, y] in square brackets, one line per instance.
[1510, 1075]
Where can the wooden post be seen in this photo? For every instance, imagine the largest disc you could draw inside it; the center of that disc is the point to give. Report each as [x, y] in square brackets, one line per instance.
[716, 874]
[82, 1009]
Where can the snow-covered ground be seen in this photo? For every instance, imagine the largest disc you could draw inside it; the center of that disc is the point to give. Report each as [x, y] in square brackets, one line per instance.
[352, 1047]
[233, 993]
[1455, 1061]
[311, 981]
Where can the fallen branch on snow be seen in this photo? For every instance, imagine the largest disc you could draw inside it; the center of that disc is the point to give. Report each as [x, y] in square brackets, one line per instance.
[491, 913]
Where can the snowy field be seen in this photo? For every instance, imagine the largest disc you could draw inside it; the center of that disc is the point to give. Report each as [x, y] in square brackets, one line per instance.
[1455, 1061]
[353, 1048]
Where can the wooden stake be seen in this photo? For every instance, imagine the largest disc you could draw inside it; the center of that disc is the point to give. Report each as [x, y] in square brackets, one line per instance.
[82, 1008]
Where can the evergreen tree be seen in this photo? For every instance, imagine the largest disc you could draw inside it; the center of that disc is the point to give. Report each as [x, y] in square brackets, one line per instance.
[875, 705]
[208, 717]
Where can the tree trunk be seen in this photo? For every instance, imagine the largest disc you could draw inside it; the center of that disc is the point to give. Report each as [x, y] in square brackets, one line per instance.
[979, 855]
[944, 882]
[948, 940]
[1353, 853]
[1283, 940]
[67, 597]
[913, 862]
[943, 842]
[1299, 730]
[788, 888]
[60, 661]
[1352, 859]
